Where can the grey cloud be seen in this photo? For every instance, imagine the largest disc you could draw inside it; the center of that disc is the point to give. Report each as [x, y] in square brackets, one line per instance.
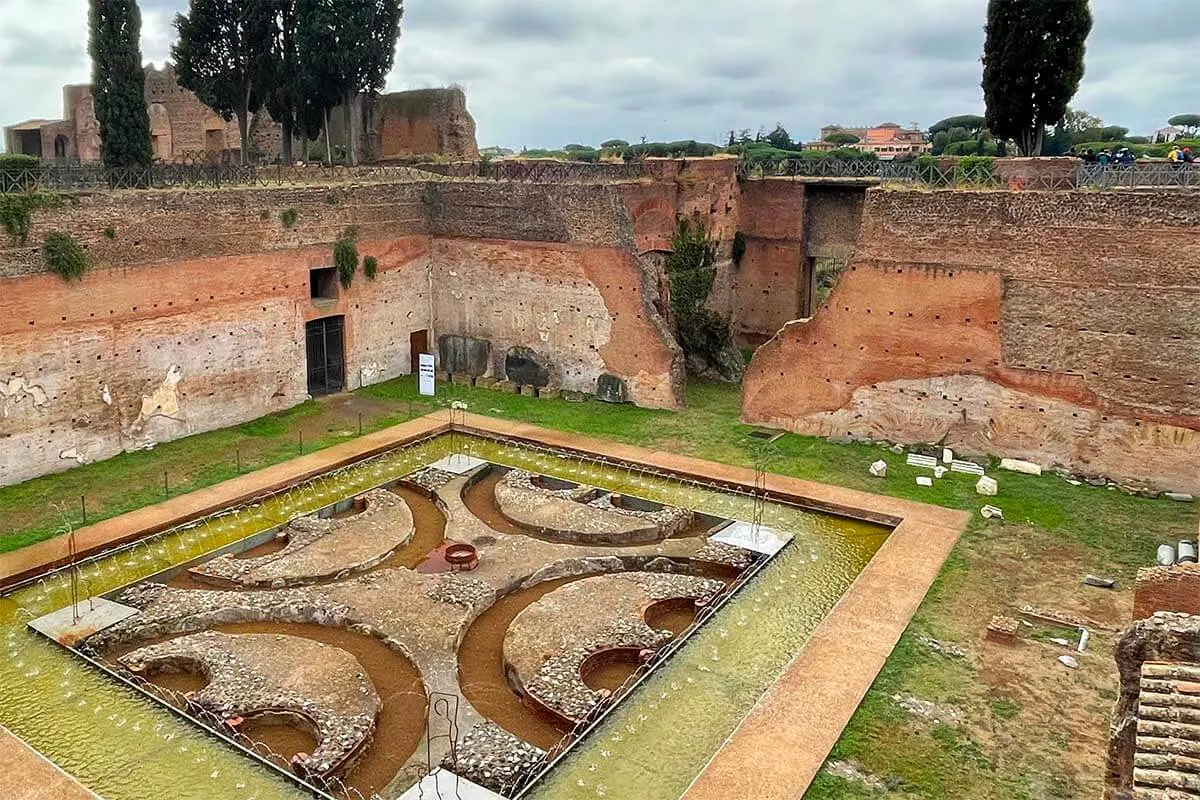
[546, 72]
[26, 49]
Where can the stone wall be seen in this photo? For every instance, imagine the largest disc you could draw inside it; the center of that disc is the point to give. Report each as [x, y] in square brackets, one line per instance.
[1175, 588]
[1057, 327]
[193, 316]
[400, 125]
[771, 285]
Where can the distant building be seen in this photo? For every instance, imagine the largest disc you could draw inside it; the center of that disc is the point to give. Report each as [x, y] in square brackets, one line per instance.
[1167, 134]
[181, 127]
[886, 141]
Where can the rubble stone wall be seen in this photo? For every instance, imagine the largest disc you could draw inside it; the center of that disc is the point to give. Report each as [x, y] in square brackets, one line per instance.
[1056, 326]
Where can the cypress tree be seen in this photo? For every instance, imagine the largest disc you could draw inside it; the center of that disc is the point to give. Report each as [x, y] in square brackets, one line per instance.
[1032, 65]
[119, 83]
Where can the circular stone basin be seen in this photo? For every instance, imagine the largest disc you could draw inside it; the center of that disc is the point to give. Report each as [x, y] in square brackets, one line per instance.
[462, 557]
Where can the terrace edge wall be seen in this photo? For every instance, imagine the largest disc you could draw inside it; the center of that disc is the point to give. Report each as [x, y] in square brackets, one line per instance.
[1060, 327]
[193, 317]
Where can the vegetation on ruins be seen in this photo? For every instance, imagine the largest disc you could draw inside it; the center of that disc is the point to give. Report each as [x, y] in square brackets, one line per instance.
[739, 248]
[118, 83]
[16, 211]
[703, 334]
[288, 217]
[63, 256]
[370, 267]
[978, 171]
[1032, 66]
[345, 256]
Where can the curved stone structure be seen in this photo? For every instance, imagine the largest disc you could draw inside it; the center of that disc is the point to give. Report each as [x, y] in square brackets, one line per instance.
[584, 514]
[321, 548]
[263, 673]
[550, 640]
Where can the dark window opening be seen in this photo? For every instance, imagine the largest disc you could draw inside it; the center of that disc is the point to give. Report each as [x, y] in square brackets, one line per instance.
[323, 283]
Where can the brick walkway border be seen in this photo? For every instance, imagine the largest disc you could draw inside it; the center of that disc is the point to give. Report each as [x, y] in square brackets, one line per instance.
[777, 750]
[28, 775]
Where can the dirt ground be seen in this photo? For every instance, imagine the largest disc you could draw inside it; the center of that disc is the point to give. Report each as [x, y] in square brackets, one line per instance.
[1009, 720]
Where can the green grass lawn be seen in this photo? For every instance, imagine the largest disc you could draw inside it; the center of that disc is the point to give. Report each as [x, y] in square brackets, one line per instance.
[1051, 529]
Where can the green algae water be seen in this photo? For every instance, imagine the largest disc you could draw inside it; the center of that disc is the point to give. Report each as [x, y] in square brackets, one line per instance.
[124, 747]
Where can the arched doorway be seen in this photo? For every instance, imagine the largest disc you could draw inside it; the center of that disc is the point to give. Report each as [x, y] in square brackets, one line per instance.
[60, 146]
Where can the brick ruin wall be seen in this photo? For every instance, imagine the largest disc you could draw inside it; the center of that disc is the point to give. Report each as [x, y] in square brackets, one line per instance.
[1174, 588]
[405, 125]
[1060, 327]
[193, 317]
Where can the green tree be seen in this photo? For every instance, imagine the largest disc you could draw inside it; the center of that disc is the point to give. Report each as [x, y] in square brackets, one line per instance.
[972, 122]
[348, 47]
[941, 140]
[284, 80]
[1060, 142]
[1076, 120]
[119, 83]
[223, 55]
[779, 137]
[842, 138]
[1032, 65]
[1189, 122]
[614, 144]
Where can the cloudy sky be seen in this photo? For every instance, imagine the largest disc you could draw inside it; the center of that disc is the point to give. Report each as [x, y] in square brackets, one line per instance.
[549, 72]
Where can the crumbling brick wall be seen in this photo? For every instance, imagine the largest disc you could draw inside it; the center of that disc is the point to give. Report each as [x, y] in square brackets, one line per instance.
[1175, 588]
[1051, 326]
[193, 316]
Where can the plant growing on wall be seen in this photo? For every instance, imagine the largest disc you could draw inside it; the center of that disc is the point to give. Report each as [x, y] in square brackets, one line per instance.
[370, 267]
[16, 212]
[739, 248]
[702, 333]
[288, 217]
[63, 256]
[345, 256]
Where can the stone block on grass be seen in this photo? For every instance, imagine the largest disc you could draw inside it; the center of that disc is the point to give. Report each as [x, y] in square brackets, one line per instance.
[1002, 630]
[529, 391]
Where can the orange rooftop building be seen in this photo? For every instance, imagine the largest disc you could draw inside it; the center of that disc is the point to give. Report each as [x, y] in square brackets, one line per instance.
[887, 141]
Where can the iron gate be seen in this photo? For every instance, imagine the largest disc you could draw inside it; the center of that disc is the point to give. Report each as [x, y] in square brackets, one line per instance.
[326, 358]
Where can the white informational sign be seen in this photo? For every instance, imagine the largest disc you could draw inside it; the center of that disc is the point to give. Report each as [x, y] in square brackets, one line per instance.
[425, 374]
